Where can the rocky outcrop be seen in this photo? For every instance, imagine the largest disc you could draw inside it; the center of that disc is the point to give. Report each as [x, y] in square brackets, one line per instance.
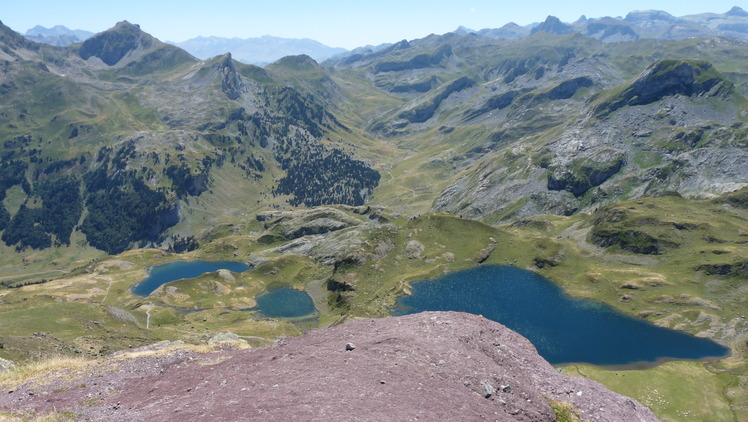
[424, 85]
[426, 110]
[295, 224]
[428, 366]
[418, 61]
[582, 174]
[614, 226]
[231, 83]
[735, 269]
[497, 102]
[666, 78]
[414, 249]
[567, 89]
[328, 235]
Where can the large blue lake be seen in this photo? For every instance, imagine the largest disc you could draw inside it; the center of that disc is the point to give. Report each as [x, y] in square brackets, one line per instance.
[562, 328]
[159, 275]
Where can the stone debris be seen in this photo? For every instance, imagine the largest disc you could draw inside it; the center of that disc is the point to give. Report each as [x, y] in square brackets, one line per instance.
[488, 390]
[414, 249]
[392, 376]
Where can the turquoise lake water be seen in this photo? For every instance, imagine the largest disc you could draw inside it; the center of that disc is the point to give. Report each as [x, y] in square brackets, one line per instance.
[281, 301]
[159, 275]
[562, 328]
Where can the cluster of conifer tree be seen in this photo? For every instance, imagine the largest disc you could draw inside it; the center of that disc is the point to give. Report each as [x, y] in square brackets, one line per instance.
[316, 177]
[122, 209]
[53, 209]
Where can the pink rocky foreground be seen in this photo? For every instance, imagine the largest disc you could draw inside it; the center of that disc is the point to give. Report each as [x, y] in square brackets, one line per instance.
[433, 366]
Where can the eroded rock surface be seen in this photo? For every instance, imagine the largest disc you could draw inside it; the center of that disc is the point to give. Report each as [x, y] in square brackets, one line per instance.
[428, 366]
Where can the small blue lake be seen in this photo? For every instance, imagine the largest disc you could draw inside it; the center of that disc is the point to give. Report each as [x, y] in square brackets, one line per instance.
[159, 275]
[562, 328]
[281, 301]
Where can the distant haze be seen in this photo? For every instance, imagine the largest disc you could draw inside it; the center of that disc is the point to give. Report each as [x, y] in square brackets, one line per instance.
[258, 51]
[333, 23]
[58, 35]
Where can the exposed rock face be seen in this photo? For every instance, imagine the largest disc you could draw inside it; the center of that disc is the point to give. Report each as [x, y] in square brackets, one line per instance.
[295, 224]
[610, 30]
[428, 366]
[497, 102]
[414, 249]
[416, 86]
[737, 11]
[669, 77]
[553, 25]
[112, 45]
[231, 84]
[426, 110]
[14, 41]
[640, 16]
[582, 174]
[568, 88]
[325, 234]
[417, 62]
[668, 113]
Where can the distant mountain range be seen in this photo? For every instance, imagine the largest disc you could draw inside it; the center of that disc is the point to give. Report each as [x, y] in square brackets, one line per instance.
[58, 35]
[637, 24]
[257, 51]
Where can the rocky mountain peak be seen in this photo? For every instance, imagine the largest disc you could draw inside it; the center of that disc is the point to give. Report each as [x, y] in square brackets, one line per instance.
[231, 83]
[114, 44]
[553, 25]
[301, 61]
[737, 11]
[643, 16]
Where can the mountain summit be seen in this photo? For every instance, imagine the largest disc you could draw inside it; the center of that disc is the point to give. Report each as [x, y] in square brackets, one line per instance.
[737, 11]
[112, 45]
[553, 25]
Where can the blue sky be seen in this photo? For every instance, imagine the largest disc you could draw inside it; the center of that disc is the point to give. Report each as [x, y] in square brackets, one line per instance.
[347, 24]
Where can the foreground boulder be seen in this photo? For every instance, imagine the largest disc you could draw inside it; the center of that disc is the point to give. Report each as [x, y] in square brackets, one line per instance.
[428, 366]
